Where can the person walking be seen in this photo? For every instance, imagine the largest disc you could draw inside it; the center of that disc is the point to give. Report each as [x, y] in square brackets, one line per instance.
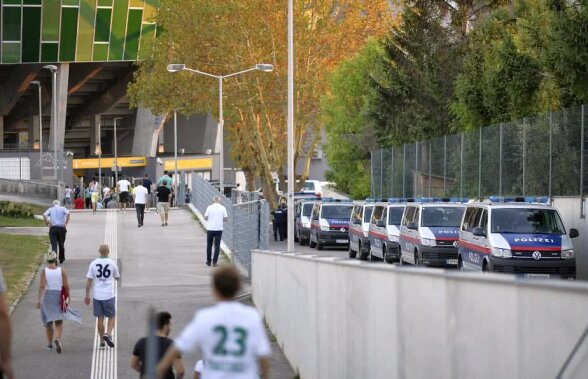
[141, 194]
[95, 194]
[284, 221]
[147, 184]
[57, 218]
[165, 180]
[78, 203]
[101, 275]
[163, 342]
[163, 200]
[215, 215]
[122, 187]
[230, 335]
[106, 196]
[67, 195]
[5, 335]
[278, 214]
[88, 197]
[53, 285]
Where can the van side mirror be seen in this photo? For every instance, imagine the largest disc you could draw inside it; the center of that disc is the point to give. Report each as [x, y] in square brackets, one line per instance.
[380, 224]
[574, 233]
[411, 226]
[479, 232]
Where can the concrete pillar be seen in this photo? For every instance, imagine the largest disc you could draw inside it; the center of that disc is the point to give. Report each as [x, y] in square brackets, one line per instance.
[33, 129]
[62, 83]
[94, 132]
[147, 132]
[1, 132]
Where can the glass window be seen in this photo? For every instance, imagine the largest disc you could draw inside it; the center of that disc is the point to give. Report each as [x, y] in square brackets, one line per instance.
[307, 209]
[367, 214]
[336, 211]
[309, 186]
[526, 221]
[408, 215]
[484, 220]
[377, 214]
[395, 215]
[472, 218]
[442, 216]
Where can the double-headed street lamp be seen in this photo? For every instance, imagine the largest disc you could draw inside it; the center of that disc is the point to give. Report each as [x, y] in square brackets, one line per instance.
[176, 67]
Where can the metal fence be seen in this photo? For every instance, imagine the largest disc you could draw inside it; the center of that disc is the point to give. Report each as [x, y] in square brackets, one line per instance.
[543, 155]
[246, 230]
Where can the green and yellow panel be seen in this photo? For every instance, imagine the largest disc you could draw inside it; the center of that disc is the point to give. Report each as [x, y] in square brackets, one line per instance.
[50, 31]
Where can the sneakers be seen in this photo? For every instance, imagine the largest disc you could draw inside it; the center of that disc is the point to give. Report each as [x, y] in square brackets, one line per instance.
[49, 347]
[102, 345]
[58, 346]
[108, 340]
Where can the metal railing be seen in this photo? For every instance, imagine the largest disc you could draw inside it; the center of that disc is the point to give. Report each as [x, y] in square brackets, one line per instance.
[246, 230]
[543, 155]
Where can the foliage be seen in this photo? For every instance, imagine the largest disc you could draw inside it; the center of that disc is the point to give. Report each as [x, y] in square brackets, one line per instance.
[19, 210]
[230, 35]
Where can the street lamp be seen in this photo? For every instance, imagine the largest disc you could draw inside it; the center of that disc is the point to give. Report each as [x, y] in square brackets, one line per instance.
[116, 152]
[98, 152]
[264, 67]
[291, 178]
[53, 70]
[38, 84]
[176, 150]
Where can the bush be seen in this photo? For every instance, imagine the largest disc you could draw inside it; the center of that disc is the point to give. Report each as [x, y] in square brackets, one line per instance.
[19, 210]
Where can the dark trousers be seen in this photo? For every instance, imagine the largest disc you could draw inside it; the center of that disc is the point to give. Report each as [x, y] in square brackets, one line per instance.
[283, 230]
[211, 235]
[88, 203]
[140, 212]
[278, 231]
[57, 237]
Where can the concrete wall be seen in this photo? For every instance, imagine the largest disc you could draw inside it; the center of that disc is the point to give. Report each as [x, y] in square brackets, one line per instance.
[346, 319]
[570, 209]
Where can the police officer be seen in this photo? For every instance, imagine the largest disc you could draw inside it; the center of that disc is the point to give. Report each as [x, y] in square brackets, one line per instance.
[278, 221]
[284, 223]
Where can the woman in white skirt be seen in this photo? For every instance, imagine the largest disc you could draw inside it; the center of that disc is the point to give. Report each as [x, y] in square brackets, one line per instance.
[53, 278]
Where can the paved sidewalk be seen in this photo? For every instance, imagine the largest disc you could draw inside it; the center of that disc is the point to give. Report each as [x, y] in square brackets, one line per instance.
[162, 267]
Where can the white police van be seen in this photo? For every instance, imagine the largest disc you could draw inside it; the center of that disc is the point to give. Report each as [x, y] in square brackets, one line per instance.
[359, 227]
[329, 224]
[302, 214]
[428, 231]
[384, 232]
[518, 235]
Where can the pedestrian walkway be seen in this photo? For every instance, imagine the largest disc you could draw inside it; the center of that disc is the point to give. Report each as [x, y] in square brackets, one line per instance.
[160, 266]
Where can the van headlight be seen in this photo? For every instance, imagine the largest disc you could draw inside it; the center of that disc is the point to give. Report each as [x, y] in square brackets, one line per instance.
[324, 225]
[393, 238]
[428, 242]
[306, 225]
[501, 253]
[567, 254]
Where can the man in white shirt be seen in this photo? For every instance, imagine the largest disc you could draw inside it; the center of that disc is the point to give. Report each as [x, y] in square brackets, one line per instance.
[123, 186]
[67, 195]
[216, 215]
[102, 273]
[141, 194]
[230, 335]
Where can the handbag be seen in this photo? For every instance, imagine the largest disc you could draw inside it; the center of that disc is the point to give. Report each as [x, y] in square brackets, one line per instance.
[64, 299]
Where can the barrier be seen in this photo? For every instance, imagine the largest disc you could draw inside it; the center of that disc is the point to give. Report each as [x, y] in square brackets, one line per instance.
[347, 319]
[573, 213]
[29, 189]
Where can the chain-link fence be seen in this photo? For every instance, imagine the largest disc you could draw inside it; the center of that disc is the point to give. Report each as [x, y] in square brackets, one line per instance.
[543, 155]
[247, 228]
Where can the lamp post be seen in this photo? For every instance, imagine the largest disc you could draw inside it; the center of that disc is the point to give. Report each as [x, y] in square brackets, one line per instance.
[38, 84]
[98, 152]
[291, 178]
[176, 152]
[116, 152]
[258, 67]
[53, 70]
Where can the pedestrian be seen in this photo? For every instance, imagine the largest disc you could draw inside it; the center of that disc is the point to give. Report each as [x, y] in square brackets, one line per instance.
[76, 191]
[67, 195]
[123, 193]
[230, 335]
[173, 189]
[141, 194]
[277, 223]
[54, 284]
[284, 221]
[147, 184]
[88, 197]
[165, 180]
[106, 196]
[101, 275]
[163, 342]
[215, 215]
[163, 200]
[199, 369]
[188, 198]
[5, 335]
[78, 203]
[95, 194]
[57, 218]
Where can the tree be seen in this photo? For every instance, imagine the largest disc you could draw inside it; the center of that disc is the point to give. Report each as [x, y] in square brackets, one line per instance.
[229, 35]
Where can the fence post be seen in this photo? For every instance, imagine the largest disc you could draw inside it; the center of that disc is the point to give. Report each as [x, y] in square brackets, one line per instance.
[445, 165]
[404, 170]
[430, 170]
[461, 167]
[582, 215]
[480, 166]
[550, 152]
[500, 163]
[524, 152]
[392, 174]
[372, 174]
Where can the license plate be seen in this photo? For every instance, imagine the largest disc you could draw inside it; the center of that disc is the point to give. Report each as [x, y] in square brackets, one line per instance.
[542, 276]
[342, 241]
[452, 261]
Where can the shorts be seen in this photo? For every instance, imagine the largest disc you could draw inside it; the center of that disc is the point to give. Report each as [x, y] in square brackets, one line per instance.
[67, 201]
[124, 197]
[94, 197]
[104, 308]
[163, 206]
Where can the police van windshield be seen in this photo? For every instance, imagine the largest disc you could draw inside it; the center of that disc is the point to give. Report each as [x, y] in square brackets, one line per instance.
[307, 209]
[395, 216]
[367, 214]
[337, 211]
[526, 221]
[442, 216]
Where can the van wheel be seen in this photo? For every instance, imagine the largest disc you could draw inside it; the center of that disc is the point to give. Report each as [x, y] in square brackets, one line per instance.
[400, 261]
[417, 261]
[384, 254]
[362, 256]
[485, 267]
[312, 244]
[319, 246]
[352, 254]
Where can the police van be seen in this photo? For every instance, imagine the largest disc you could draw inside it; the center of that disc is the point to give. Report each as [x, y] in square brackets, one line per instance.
[303, 213]
[517, 235]
[329, 224]
[359, 226]
[384, 231]
[428, 231]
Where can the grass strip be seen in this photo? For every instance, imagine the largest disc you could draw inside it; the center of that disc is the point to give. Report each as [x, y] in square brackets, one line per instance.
[19, 221]
[20, 257]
